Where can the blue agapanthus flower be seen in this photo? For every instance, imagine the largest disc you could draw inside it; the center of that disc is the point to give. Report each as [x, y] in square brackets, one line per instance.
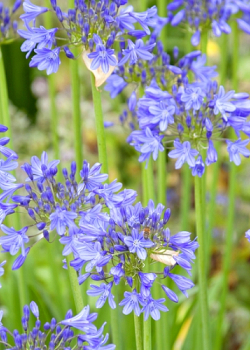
[55, 335]
[8, 22]
[202, 15]
[132, 235]
[94, 28]
[191, 116]
[110, 247]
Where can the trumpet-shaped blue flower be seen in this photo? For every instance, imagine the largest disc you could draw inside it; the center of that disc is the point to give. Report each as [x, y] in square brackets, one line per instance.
[153, 308]
[131, 302]
[184, 153]
[46, 59]
[105, 291]
[136, 50]
[60, 219]
[14, 240]
[91, 177]
[82, 321]
[193, 98]
[199, 168]
[236, 148]
[31, 11]
[39, 37]
[102, 57]
[136, 244]
[38, 167]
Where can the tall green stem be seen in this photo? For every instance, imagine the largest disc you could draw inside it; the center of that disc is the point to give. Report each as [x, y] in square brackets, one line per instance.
[4, 99]
[162, 174]
[150, 180]
[114, 320]
[231, 208]
[204, 41]
[76, 108]
[186, 176]
[138, 333]
[100, 131]
[76, 291]
[185, 196]
[200, 231]
[6, 120]
[52, 100]
[150, 195]
[162, 11]
[216, 165]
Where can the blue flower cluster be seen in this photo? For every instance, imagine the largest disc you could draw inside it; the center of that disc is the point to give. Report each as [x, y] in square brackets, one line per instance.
[154, 65]
[93, 26]
[53, 205]
[133, 238]
[193, 115]
[8, 25]
[110, 237]
[56, 335]
[205, 15]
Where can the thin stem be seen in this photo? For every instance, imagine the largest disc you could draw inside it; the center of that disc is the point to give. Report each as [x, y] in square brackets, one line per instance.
[150, 180]
[216, 166]
[147, 323]
[52, 99]
[76, 109]
[149, 176]
[186, 176]
[114, 320]
[185, 196]
[76, 291]
[162, 11]
[204, 41]
[144, 185]
[100, 131]
[162, 174]
[231, 208]
[4, 99]
[199, 213]
[138, 332]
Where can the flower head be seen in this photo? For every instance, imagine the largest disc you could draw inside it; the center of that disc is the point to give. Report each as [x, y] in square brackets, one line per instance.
[94, 28]
[53, 335]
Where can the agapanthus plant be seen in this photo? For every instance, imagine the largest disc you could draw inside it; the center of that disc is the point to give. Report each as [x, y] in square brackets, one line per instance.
[55, 335]
[199, 16]
[132, 237]
[92, 26]
[8, 22]
[181, 104]
[194, 116]
[107, 247]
